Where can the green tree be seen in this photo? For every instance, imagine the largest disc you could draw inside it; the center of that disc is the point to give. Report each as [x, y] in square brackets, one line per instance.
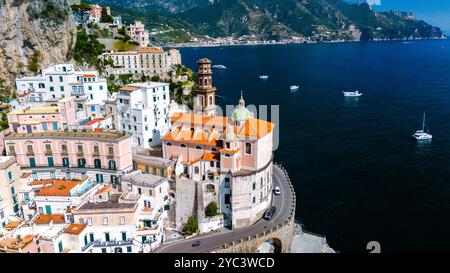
[191, 226]
[211, 209]
[105, 18]
[87, 50]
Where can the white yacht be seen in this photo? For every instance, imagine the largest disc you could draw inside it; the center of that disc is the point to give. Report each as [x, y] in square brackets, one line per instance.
[352, 94]
[294, 87]
[219, 66]
[421, 135]
[263, 77]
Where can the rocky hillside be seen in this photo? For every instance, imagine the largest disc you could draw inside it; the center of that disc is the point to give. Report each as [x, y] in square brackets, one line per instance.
[33, 35]
[314, 19]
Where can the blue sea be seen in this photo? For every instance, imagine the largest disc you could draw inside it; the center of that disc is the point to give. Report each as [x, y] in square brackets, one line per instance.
[358, 175]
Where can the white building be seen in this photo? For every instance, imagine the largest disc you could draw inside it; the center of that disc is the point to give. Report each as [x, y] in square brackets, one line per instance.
[143, 112]
[56, 196]
[154, 192]
[63, 81]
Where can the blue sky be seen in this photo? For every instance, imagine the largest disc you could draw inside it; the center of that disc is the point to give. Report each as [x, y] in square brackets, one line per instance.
[435, 12]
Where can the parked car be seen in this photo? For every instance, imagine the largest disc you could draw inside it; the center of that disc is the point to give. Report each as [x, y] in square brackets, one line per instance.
[277, 191]
[270, 213]
[196, 243]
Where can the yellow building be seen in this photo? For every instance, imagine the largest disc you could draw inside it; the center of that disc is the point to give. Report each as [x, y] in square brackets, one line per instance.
[154, 165]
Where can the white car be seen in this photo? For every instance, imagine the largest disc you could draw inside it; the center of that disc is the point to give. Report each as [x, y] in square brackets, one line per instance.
[277, 191]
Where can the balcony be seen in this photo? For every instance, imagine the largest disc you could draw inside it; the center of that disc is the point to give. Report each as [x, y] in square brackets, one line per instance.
[48, 152]
[96, 154]
[64, 152]
[80, 153]
[77, 93]
[113, 243]
[84, 248]
[30, 153]
[110, 156]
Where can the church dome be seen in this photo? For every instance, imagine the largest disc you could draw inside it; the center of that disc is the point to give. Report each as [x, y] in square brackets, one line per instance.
[241, 113]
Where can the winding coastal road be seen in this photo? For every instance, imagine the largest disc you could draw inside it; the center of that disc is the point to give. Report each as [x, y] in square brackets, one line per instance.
[213, 241]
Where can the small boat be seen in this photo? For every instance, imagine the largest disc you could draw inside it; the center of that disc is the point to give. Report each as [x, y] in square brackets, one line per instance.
[294, 87]
[421, 135]
[352, 94]
[263, 77]
[219, 66]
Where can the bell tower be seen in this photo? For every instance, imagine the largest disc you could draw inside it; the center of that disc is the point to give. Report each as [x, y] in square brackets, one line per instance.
[205, 94]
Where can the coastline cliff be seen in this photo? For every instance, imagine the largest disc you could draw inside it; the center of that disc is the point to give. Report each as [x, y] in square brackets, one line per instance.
[33, 35]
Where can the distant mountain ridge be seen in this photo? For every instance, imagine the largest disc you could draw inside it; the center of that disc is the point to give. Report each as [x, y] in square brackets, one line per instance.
[314, 20]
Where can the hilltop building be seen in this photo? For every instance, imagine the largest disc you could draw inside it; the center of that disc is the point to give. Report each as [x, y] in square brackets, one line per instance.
[138, 33]
[62, 81]
[147, 62]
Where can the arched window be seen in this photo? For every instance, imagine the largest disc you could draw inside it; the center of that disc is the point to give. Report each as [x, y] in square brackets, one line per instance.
[227, 155]
[196, 170]
[198, 147]
[112, 165]
[169, 144]
[97, 163]
[213, 150]
[210, 100]
[183, 145]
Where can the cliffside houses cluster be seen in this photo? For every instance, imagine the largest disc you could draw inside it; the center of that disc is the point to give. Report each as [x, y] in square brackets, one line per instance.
[86, 171]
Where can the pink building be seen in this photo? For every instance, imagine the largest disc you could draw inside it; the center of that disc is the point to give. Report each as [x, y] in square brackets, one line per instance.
[235, 153]
[43, 118]
[72, 154]
[96, 12]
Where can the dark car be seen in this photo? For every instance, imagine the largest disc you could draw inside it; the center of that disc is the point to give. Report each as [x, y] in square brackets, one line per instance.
[197, 243]
[269, 213]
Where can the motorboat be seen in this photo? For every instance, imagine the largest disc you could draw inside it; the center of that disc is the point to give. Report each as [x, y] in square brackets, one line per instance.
[219, 66]
[263, 77]
[294, 87]
[352, 94]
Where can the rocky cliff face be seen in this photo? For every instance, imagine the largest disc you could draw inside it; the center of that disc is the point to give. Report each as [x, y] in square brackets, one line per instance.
[33, 35]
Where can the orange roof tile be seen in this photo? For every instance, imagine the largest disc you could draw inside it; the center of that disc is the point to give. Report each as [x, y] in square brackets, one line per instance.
[229, 151]
[88, 76]
[47, 218]
[56, 188]
[104, 189]
[12, 224]
[150, 50]
[210, 156]
[75, 229]
[95, 120]
[129, 88]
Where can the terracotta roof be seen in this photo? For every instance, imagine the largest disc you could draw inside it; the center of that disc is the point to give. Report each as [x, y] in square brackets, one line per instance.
[150, 50]
[12, 224]
[57, 188]
[89, 76]
[182, 124]
[75, 229]
[129, 88]
[95, 120]
[229, 151]
[47, 218]
[210, 156]
[104, 189]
